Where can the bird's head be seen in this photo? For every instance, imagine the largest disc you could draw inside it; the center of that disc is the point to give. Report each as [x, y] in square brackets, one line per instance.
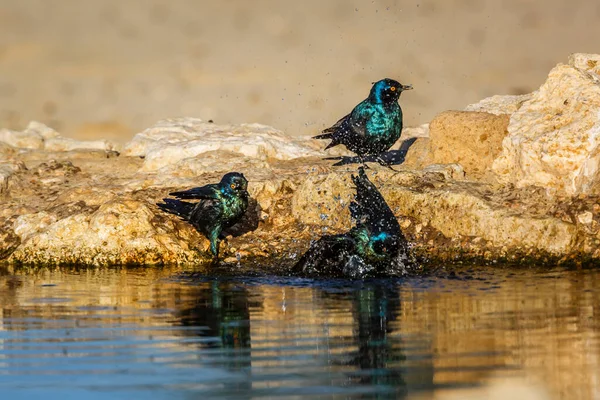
[382, 245]
[234, 182]
[387, 90]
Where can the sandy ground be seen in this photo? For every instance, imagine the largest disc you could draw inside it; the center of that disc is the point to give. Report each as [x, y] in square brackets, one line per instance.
[111, 68]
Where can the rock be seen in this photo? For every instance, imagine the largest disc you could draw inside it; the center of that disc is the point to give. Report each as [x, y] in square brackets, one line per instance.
[586, 62]
[121, 231]
[67, 144]
[323, 200]
[446, 171]
[418, 154]
[553, 139]
[38, 136]
[500, 104]
[471, 139]
[22, 140]
[172, 140]
[99, 211]
[6, 170]
[453, 212]
[28, 225]
[6, 151]
[586, 218]
[441, 211]
[211, 162]
[408, 132]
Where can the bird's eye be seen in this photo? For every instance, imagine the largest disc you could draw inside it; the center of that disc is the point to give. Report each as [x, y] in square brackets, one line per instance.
[232, 186]
[393, 88]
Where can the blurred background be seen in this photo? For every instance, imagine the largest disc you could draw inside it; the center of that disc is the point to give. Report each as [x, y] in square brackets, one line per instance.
[110, 68]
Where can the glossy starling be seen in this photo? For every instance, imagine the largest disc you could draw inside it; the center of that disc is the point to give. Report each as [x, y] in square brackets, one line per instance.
[374, 125]
[220, 206]
[375, 246]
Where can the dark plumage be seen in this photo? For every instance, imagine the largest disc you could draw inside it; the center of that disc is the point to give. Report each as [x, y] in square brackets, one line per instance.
[374, 246]
[374, 125]
[220, 206]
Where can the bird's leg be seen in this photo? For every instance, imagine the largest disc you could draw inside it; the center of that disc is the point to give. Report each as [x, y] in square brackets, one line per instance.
[214, 245]
[363, 162]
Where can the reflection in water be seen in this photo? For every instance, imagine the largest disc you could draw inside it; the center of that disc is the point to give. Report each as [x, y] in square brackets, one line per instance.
[159, 333]
[375, 308]
[223, 308]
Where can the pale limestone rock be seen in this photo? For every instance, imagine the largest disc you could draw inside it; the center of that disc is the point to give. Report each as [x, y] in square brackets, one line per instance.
[332, 192]
[38, 136]
[172, 140]
[586, 218]
[21, 140]
[500, 104]
[213, 161]
[96, 218]
[451, 171]
[456, 212]
[553, 139]
[6, 170]
[33, 137]
[28, 225]
[82, 207]
[446, 211]
[409, 132]
[6, 151]
[471, 139]
[586, 62]
[68, 144]
[121, 231]
[418, 154]
[41, 130]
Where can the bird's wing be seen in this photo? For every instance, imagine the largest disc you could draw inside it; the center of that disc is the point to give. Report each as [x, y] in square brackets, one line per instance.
[335, 126]
[359, 117]
[355, 122]
[181, 208]
[325, 254]
[347, 129]
[205, 192]
[207, 214]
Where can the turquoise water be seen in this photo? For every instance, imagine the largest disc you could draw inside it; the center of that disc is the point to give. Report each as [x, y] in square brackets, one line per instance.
[169, 333]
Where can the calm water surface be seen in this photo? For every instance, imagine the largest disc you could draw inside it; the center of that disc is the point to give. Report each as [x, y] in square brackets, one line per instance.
[170, 333]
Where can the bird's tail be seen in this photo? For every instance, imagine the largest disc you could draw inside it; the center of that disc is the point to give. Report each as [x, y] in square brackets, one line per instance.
[334, 141]
[324, 136]
[367, 196]
[177, 207]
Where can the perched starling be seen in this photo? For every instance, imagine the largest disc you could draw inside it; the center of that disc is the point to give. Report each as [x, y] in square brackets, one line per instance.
[375, 246]
[220, 206]
[374, 125]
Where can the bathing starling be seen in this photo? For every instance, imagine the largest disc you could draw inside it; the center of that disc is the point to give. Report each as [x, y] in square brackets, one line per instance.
[374, 246]
[220, 206]
[374, 125]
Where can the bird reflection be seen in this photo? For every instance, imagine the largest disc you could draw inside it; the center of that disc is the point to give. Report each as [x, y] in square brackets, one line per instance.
[375, 309]
[379, 358]
[221, 310]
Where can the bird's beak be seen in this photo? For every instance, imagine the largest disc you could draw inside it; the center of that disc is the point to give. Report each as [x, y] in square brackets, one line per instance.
[406, 87]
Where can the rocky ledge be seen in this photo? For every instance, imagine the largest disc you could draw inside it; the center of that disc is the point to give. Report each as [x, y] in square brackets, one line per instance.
[510, 179]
